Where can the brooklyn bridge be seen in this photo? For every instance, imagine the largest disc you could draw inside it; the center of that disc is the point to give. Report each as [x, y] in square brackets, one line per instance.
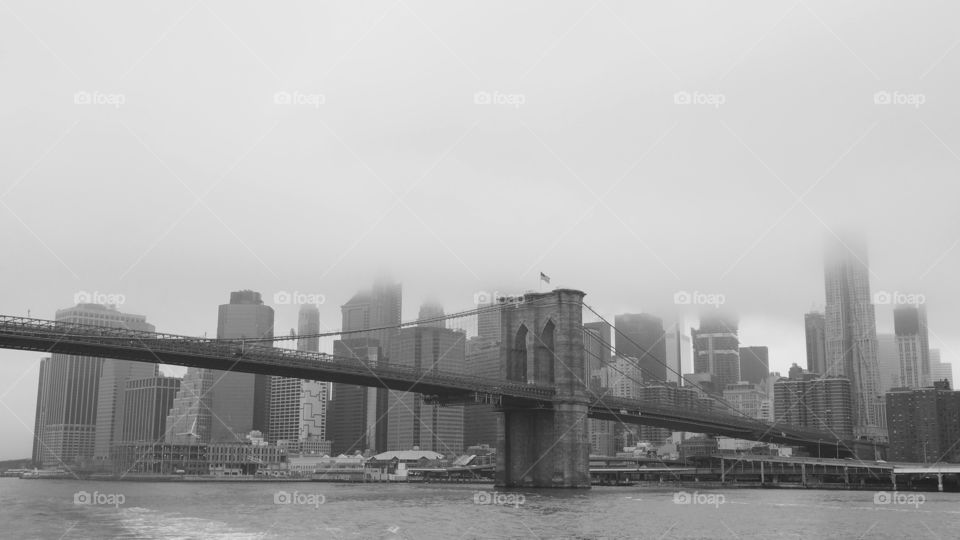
[542, 395]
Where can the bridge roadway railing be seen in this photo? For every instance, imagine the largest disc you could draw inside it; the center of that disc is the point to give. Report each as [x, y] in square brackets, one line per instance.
[728, 423]
[112, 342]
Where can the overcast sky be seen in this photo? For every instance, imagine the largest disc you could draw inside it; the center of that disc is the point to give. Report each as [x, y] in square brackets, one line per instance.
[629, 150]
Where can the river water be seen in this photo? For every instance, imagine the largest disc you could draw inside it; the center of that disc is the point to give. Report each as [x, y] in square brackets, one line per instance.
[282, 510]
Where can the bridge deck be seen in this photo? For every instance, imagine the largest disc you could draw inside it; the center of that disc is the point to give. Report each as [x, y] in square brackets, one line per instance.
[236, 355]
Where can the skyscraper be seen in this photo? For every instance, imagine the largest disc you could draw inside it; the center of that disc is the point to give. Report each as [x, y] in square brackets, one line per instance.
[412, 422]
[352, 414]
[888, 362]
[814, 324]
[428, 311]
[241, 401]
[716, 348]
[641, 336]
[851, 331]
[480, 419]
[80, 398]
[147, 401]
[488, 320]
[298, 407]
[224, 406]
[40, 419]
[314, 395]
[913, 345]
[678, 353]
[754, 364]
[378, 308]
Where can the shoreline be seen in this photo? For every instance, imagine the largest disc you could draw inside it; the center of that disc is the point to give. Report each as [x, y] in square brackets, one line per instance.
[707, 485]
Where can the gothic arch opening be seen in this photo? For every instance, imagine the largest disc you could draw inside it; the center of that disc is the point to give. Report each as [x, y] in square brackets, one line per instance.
[517, 360]
[543, 360]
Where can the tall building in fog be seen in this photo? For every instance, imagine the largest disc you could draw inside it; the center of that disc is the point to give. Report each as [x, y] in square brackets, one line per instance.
[428, 311]
[374, 310]
[80, 399]
[413, 422]
[314, 395]
[678, 353]
[754, 364]
[241, 401]
[814, 324]
[913, 345]
[353, 412]
[888, 362]
[716, 348]
[852, 332]
[298, 407]
[224, 406]
[641, 336]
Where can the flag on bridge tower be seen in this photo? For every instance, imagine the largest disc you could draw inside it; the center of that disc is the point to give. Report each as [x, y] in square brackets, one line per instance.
[544, 277]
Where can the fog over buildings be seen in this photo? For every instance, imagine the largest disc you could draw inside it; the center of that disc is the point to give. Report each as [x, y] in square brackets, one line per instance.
[203, 181]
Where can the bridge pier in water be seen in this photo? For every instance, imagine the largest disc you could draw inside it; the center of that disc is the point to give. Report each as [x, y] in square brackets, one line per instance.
[544, 444]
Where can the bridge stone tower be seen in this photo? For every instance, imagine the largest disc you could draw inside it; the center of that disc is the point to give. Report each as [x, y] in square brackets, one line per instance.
[544, 444]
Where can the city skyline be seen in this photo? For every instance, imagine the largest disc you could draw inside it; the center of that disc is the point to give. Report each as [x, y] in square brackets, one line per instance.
[775, 366]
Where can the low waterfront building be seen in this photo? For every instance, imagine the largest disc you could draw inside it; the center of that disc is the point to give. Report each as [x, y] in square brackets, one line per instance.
[159, 458]
[244, 458]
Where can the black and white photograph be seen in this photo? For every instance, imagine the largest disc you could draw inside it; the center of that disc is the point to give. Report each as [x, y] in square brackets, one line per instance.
[469, 270]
